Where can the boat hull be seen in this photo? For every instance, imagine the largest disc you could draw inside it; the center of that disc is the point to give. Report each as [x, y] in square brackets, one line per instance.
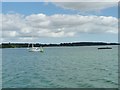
[105, 48]
[35, 49]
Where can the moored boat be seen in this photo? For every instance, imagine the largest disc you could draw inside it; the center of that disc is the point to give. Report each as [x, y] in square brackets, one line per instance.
[105, 48]
[36, 49]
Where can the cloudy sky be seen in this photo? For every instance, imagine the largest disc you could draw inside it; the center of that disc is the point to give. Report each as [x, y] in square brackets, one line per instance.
[55, 22]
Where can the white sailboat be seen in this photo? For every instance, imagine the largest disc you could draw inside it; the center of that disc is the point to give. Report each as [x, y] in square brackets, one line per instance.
[35, 49]
[28, 46]
[41, 49]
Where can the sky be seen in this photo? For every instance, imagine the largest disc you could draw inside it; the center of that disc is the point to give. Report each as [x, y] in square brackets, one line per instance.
[56, 22]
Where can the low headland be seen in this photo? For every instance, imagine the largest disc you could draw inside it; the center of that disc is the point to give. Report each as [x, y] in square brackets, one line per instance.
[25, 45]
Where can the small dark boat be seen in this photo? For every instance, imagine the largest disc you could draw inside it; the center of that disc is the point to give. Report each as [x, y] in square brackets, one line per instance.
[105, 48]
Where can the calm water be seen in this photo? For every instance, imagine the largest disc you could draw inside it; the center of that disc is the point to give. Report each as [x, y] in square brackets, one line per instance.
[60, 67]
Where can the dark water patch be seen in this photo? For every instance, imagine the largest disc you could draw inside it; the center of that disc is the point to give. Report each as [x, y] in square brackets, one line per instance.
[105, 80]
[85, 85]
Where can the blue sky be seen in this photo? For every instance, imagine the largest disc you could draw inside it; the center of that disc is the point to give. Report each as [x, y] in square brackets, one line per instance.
[28, 8]
[50, 9]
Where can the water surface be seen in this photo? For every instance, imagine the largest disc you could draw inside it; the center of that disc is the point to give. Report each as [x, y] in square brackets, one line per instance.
[60, 67]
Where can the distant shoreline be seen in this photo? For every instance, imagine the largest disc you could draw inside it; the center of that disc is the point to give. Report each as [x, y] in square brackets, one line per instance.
[25, 45]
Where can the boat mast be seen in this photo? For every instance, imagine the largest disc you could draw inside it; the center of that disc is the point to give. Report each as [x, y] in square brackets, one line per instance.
[32, 43]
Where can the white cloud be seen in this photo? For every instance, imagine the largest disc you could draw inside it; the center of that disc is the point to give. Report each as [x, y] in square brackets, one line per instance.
[9, 33]
[12, 21]
[86, 6]
[41, 25]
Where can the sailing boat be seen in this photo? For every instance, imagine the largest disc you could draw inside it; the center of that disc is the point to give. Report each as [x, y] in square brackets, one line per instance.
[35, 49]
[28, 46]
[41, 49]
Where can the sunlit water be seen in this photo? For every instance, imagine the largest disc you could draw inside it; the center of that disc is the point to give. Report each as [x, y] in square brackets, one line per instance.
[60, 67]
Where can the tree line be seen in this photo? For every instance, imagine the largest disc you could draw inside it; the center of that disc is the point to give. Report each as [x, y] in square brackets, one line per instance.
[25, 45]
